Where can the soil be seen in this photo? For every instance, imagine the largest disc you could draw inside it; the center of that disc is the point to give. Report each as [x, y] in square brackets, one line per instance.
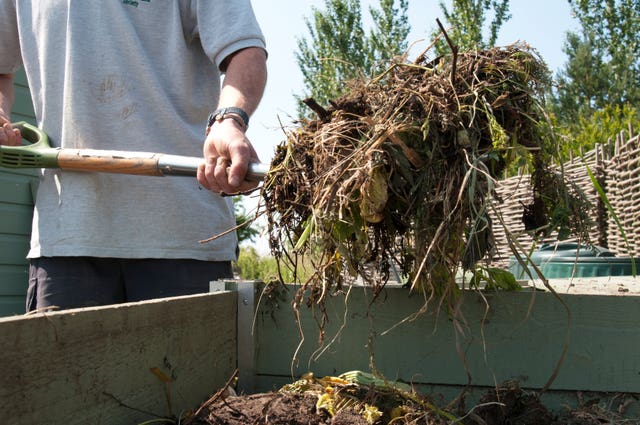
[505, 405]
[273, 408]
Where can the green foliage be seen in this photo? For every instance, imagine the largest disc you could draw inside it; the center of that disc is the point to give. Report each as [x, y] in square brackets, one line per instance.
[597, 127]
[614, 26]
[247, 231]
[252, 266]
[582, 85]
[466, 24]
[339, 49]
[603, 67]
[494, 279]
[391, 28]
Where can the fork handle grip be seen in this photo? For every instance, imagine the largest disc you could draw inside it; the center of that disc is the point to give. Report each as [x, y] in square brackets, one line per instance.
[84, 160]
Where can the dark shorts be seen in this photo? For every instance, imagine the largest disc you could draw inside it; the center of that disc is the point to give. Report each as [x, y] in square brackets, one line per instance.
[71, 282]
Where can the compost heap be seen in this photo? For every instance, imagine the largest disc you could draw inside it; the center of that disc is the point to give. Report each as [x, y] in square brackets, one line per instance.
[360, 398]
[400, 170]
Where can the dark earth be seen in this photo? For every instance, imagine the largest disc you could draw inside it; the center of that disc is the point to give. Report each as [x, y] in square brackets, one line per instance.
[506, 405]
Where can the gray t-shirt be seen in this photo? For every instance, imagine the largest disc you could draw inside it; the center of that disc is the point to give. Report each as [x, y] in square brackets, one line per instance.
[132, 76]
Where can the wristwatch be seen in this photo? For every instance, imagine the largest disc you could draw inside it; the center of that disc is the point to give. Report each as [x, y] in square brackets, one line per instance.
[236, 114]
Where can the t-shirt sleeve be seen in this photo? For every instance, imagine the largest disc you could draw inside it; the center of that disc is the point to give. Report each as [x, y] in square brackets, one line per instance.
[10, 59]
[224, 27]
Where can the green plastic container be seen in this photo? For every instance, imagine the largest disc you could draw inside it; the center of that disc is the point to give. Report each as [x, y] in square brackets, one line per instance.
[565, 260]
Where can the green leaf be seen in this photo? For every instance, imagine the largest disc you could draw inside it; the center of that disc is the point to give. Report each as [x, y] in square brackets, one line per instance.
[501, 279]
[309, 226]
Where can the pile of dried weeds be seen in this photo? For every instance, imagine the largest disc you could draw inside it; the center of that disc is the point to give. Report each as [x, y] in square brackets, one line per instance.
[401, 170]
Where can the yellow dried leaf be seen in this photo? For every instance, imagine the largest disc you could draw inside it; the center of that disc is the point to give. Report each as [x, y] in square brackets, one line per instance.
[374, 195]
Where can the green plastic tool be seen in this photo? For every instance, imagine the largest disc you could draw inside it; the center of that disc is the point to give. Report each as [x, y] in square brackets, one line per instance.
[39, 154]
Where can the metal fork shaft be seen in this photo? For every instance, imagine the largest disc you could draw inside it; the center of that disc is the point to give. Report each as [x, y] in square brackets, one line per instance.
[175, 165]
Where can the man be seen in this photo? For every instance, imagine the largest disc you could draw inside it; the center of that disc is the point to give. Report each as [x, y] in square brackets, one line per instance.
[134, 76]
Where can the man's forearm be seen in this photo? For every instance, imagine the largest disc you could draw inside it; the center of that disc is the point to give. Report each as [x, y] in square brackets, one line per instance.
[227, 151]
[6, 96]
[245, 80]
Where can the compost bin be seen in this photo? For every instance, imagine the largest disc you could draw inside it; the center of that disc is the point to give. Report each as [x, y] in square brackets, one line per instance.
[566, 260]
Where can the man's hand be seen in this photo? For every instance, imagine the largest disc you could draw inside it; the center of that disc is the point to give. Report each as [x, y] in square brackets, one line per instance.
[8, 135]
[227, 154]
[227, 151]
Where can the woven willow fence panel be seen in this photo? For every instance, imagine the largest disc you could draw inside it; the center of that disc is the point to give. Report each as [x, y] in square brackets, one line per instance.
[617, 170]
[623, 191]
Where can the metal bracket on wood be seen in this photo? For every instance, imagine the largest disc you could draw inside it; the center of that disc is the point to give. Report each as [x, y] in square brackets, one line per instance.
[245, 339]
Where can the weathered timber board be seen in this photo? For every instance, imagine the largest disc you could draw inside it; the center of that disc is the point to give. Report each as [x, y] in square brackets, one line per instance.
[94, 365]
[496, 337]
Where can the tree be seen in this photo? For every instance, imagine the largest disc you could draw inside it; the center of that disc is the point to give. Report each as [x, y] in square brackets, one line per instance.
[466, 22]
[246, 232]
[602, 72]
[582, 85]
[391, 28]
[339, 49]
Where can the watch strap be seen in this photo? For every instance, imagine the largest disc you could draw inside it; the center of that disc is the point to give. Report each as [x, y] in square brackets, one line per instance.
[229, 112]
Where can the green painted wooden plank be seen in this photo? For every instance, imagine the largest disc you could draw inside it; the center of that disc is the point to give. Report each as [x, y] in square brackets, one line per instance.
[30, 173]
[16, 117]
[14, 249]
[22, 104]
[20, 78]
[12, 305]
[21, 91]
[13, 289]
[17, 192]
[22, 109]
[16, 188]
[16, 219]
[506, 336]
[13, 280]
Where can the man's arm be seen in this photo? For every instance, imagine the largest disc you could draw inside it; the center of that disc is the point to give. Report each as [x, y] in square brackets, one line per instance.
[8, 135]
[226, 144]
